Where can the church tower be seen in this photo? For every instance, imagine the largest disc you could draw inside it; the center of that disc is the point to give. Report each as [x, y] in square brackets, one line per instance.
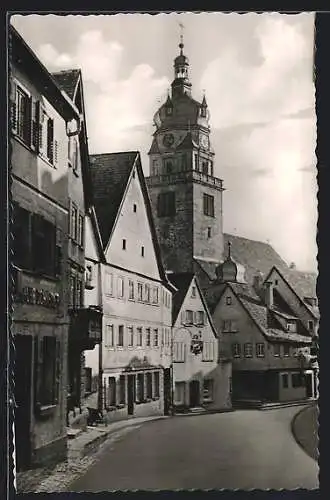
[185, 195]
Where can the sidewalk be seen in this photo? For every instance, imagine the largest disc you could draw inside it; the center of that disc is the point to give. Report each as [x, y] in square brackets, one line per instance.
[82, 453]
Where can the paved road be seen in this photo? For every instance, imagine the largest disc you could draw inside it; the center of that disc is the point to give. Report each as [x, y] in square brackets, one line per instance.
[244, 449]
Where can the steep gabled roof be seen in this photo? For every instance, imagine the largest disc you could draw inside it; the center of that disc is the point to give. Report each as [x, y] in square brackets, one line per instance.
[68, 80]
[110, 173]
[282, 274]
[255, 256]
[303, 282]
[182, 282]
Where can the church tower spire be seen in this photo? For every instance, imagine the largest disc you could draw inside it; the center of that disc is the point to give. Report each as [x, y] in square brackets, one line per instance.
[181, 84]
[186, 196]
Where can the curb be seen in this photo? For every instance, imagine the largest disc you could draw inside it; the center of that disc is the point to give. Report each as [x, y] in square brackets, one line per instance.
[91, 446]
[208, 412]
[292, 427]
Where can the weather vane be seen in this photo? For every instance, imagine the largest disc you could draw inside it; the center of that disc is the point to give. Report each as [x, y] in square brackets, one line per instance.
[181, 36]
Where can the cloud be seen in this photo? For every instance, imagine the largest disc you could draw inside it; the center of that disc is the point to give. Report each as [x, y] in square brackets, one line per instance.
[280, 84]
[116, 111]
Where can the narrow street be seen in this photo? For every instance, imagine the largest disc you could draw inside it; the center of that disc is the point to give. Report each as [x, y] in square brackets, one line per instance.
[244, 449]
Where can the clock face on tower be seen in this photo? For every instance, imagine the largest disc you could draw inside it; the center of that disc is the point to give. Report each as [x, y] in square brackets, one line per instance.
[204, 141]
[168, 140]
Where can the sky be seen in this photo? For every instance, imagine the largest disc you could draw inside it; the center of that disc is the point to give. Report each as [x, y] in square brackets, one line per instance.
[256, 71]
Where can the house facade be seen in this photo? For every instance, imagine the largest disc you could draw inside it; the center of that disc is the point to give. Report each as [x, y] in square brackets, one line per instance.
[270, 341]
[136, 295]
[201, 373]
[85, 321]
[40, 115]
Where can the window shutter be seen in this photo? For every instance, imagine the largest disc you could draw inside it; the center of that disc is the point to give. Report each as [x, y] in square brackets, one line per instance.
[27, 119]
[13, 107]
[35, 124]
[55, 152]
[57, 377]
[38, 362]
[50, 140]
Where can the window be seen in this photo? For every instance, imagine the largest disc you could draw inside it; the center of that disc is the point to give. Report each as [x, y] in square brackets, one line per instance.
[200, 317]
[147, 292]
[208, 390]
[149, 385]
[80, 296]
[43, 245]
[285, 380]
[142, 251]
[297, 380]
[112, 391]
[131, 289]
[189, 317]
[108, 283]
[196, 162]
[208, 351]
[134, 208]
[211, 168]
[179, 393]
[155, 295]
[311, 326]
[248, 351]
[156, 384]
[21, 115]
[124, 244]
[140, 292]
[48, 370]
[294, 351]
[130, 336]
[122, 389]
[277, 349]
[168, 166]
[208, 205]
[228, 301]
[81, 230]
[140, 387]
[260, 350]
[209, 233]
[139, 336]
[166, 204]
[74, 222]
[50, 140]
[229, 325]
[156, 337]
[120, 287]
[179, 352]
[292, 326]
[148, 337]
[120, 342]
[72, 290]
[286, 350]
[109, 336]
[236, 350]
[21, 231]
[205, 167]
[276, 282]
[193, 292]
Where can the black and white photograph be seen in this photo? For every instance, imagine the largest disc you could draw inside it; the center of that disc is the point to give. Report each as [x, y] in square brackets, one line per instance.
[164, 256]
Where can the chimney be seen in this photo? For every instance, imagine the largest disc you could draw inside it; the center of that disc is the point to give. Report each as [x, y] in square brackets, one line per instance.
[257, 282]
[269, 294]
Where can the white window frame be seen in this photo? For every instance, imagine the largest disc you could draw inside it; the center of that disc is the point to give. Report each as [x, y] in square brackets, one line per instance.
[260, 354]
[120, 287]
[131, 289]
[109, 278]
[248, 350]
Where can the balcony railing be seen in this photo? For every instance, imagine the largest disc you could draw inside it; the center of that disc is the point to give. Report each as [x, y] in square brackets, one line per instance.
[177, 177]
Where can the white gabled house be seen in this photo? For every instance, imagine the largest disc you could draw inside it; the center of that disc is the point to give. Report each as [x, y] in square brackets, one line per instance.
[134, 292]
[201, 374]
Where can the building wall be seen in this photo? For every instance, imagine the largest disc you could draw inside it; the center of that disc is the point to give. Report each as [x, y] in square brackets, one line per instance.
[133, 227]
[175, 233]
[205, 365]
[295, 304]
[248, 332]
[208, 248]
[42, 188]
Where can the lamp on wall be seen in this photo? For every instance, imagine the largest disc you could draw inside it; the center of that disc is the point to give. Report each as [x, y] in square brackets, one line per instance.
[73, 127]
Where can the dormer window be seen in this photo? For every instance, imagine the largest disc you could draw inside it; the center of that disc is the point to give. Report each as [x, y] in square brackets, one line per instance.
[291, 326]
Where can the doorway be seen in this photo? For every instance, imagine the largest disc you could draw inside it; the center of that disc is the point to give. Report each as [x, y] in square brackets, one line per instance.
[167, 391]
[22, 391]
[130, 394]
[194, 393]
